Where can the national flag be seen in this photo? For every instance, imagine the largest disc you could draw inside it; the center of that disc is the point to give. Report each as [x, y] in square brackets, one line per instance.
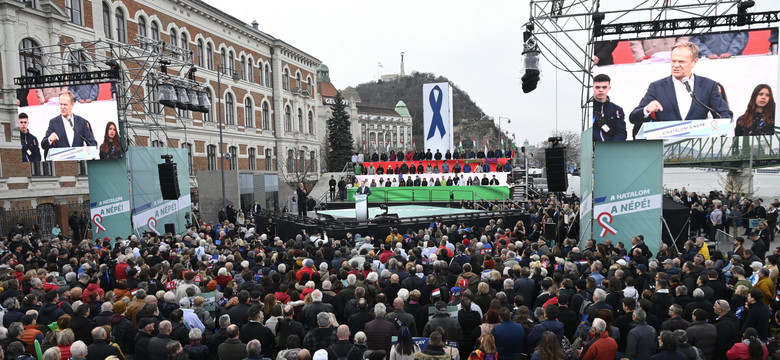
[473, 143]
[414, 145]
[514, 141]
[380, 64]
[460, 145]
[486, 144]
[388, 147]
[376, 146]
[402, 144]
[502, 141]
[365, 148]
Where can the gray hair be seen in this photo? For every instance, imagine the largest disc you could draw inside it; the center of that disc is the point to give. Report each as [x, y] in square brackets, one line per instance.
[351, 279]
[723, 304]
[698, 293]
[253, 347]
[600, 295]
[599, 325]
[224, 321]
[509, 284]
[107, 306]
[195, 334]
[360, 337]
[316, 296]
[323, 319]
[98, 333]
[380, 310]
[78, 348]
[640, 315]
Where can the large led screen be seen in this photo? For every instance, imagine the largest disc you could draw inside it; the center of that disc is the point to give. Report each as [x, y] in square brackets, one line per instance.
[68, 123]
[740, 67]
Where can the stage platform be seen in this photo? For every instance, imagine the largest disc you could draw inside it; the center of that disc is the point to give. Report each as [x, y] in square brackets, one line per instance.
[403, 212]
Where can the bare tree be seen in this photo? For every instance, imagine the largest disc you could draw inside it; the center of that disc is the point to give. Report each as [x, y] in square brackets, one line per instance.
[298, 168]
[571, 140]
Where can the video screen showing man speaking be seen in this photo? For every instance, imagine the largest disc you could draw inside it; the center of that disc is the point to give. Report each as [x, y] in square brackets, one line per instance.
[65, 123]
[729, 75]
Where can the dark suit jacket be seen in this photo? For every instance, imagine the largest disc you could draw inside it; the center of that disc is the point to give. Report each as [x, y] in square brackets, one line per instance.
[363, 190]
[80, 126]
[663, 91]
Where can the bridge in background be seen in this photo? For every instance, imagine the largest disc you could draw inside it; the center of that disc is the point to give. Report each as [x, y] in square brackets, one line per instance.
[725, 153]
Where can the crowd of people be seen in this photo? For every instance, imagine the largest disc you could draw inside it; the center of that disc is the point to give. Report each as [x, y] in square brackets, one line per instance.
[494, 292]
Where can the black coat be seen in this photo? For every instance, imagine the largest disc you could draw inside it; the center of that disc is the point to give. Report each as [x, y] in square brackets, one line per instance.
[238, 314]
[100, 349]
[255, 330]
[142, 345]
[728, 334]
[157, 347]
[82, 328]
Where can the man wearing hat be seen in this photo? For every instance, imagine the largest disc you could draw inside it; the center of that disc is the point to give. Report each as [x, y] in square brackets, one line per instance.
[443, 319]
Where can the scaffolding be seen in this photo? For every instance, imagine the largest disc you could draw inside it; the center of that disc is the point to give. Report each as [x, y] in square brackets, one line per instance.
[567, 30]
[138, 69]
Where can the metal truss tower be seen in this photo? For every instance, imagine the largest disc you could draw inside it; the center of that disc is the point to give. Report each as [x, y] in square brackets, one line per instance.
[567, 30]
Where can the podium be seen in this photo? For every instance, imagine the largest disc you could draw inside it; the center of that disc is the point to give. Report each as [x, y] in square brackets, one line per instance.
[361, 207]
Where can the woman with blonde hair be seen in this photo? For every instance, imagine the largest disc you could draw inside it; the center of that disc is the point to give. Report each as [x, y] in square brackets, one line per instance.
[487, 349]
[52, 354]
[66, 339]
[549, 348]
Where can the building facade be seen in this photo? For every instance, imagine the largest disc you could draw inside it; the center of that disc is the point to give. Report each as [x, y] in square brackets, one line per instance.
[270, 112]
[378, 127]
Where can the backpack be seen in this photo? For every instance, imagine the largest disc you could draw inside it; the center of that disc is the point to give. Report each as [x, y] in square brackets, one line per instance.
[585, 303]
[569, 351]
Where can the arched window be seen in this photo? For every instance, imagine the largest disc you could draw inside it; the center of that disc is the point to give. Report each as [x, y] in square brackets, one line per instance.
[30, 58]
[210, 115]
[252, 152]
[184, 45]
[188, 147]
[200, 52]
[260, 73]
[290, 161]
[300, 120]
[298, 79]
[233, 151]
[77, 60]
[231, 62]
[267, 76]
[174, 41]
[311, 123]
[301, 161]
[250, 73]
[142, 26]
[242, 67]
[249, 114]
[154, 31]
[121, 27]
[107, 21]
[286, 80]
[313, 161]
[308, 86]
[287, 118]
[74, 12]
[230, 114]
[223, 59]
[266, 117]
[209, 56]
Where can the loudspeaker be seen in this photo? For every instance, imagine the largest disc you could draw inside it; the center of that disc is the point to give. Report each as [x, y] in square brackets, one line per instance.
[169, 181]
[170, 228]
[555, 162]
[549, 231]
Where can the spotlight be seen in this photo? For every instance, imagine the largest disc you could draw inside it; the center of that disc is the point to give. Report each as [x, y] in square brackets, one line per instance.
[598, 17]
[531, 65]
[742, 14]
[33, 71]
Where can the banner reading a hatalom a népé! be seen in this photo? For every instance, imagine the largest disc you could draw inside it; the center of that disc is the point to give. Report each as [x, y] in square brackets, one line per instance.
[109, 197]
[627, 199]
[586, 186]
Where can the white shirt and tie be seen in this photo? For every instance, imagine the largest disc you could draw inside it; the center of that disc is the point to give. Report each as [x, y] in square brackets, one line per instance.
[68, 125]
[683, 97]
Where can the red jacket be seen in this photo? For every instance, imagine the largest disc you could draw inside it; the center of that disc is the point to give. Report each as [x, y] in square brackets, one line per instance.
[604, 347]
[121, 271]
[303, 270]
[740, 352]
[90, 289]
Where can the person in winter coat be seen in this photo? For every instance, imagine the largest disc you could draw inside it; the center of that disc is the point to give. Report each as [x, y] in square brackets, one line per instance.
[750, 348]
[550, 323]
[600, 345]
[123, 331]
[434, 351]
[195, 349]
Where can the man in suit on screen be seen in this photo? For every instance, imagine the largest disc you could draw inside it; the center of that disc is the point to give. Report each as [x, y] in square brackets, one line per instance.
[67, 129]
[669, 99]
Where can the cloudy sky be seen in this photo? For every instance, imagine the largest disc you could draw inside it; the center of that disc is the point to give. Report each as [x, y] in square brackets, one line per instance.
[476, 44]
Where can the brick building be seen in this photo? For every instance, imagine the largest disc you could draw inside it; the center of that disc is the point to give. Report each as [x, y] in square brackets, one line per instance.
[270, 113]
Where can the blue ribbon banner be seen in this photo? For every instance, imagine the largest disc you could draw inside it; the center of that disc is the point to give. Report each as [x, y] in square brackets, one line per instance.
[436, 121]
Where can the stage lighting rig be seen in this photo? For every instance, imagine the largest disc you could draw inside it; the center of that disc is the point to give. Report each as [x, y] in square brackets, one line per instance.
[531, 61]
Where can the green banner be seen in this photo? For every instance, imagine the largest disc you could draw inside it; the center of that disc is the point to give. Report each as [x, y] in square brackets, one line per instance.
[586, 186]
[109, 199]
[434, 193]
[150, 211]
[627, 199]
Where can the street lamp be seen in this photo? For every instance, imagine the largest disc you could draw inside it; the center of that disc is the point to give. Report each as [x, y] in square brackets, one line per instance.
[234, 76]
[508, 121]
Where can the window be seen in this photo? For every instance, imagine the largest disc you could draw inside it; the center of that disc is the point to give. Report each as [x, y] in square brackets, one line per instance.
[209, 57]
[157, 143]
[174, 42]
[121, 27]
[142, 29]
[290, 161]
[249, 115]
[154, 105]
[231, 62]
[250, 71]
[73, 10]
[311, 123]
[267, 75]
[77, 61]
[183, 113]
[223, 59]
[209, 116]
[106, 21]
[298, 79]
[252, 158]
[230, 114]
[155, 31]
[29, 3]
[308, 85]
[200, 52]
[233, 151]
[269, 161]
[300, 120]
[42, 168]
[286, 80]
[260, 73]
[287, 118]
[243, 68]
[313, 162]
[30, 57]
[82, 165]
[301, 161]
[188, 147]
[185, 46]
[266, 117]
[211, 156]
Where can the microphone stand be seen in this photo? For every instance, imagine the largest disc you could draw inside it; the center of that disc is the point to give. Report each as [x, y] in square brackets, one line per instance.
[73, 126]
[715, 114]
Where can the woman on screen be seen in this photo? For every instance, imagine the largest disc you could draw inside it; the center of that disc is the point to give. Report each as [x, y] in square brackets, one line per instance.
[759, 117]
[111, 147]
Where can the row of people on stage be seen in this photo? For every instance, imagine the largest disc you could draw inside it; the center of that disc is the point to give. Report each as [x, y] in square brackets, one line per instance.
[428, 155]
[404, 168]
[449, 181]
[681, 96]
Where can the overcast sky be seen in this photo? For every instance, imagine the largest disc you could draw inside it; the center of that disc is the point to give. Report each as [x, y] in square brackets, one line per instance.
[475, 44]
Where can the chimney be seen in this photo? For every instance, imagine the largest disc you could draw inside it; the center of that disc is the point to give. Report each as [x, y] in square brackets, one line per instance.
[255, 24]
